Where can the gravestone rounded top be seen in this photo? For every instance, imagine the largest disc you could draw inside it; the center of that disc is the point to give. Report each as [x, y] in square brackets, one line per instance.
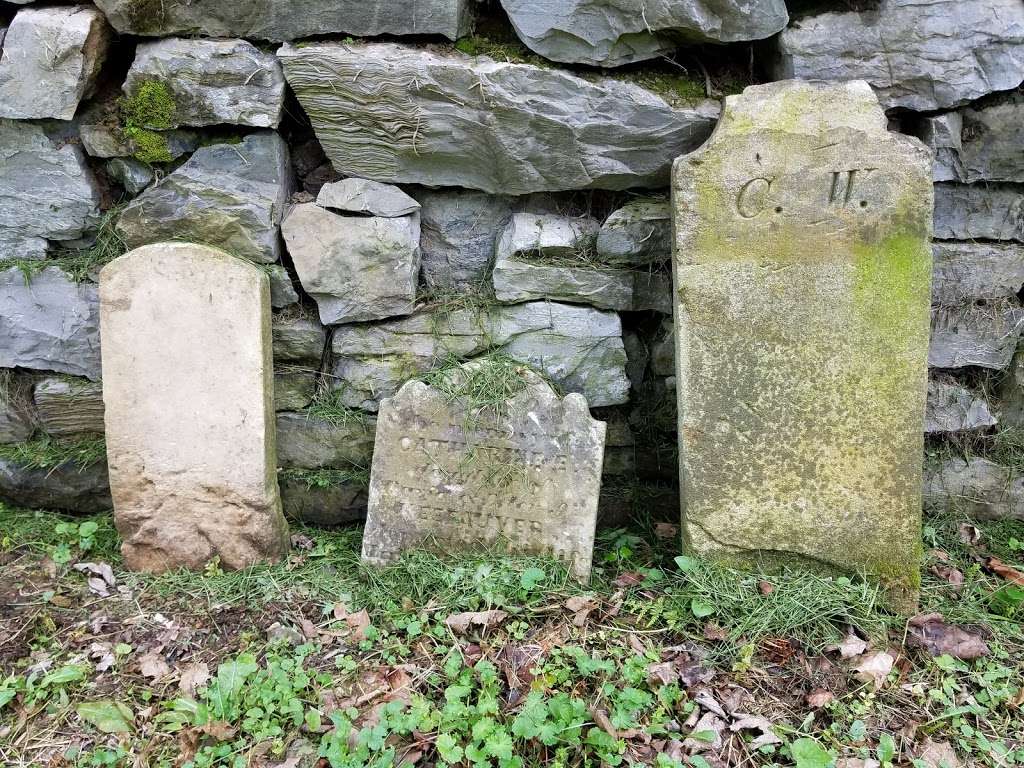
[147, 257]
[188, 394]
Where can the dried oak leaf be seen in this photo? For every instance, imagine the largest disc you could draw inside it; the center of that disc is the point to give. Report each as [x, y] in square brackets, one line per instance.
[930, 632]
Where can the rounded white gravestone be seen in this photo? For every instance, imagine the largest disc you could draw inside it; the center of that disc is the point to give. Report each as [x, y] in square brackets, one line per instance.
[188, 390]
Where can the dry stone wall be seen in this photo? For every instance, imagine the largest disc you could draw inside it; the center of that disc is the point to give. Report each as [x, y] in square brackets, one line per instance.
[427, 182]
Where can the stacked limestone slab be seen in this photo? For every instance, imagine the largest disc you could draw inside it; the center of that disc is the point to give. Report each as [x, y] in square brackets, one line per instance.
[419, 203]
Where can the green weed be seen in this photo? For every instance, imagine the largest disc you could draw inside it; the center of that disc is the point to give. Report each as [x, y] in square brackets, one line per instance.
[46, 452]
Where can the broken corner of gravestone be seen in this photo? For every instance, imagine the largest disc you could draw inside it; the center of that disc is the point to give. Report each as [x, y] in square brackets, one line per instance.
[486, 454]
[802, 266]
[187, 390]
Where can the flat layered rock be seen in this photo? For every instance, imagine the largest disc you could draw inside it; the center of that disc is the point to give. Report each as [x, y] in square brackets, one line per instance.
[130, 174]
[612, 34]
[231, 196]
[281, 20]
[188, 388]
[637, 234]
[980, 143]
[454, 120]
[919, 54]
[293, 389]
[966, 272]
[65, 488]
[298, 337]
[979, 212]
[952, 407]
[363, 196]
[49, 323]
[209, 82]
[976, 487]
[307, 442]
[780, 340]
[524, 473]
[50, 60]
[978, 335]
[36, 170]
[69, 407]
[458, 231]
[580, 348]
[355, 267]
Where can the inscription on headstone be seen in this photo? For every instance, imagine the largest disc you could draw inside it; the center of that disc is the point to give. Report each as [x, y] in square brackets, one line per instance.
[188, 390]
[802, 269]
[449, 477]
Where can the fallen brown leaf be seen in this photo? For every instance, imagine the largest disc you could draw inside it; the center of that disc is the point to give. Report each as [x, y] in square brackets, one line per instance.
[874, 667]
[850, 646]
[153, 666]
[715, 633]
[950, 574]
[461, 622]
[819, 698]
[999, 568]
[581, 606]
[708, 732]
[358, 622]
[938, 754]
[930, 632]
[969, 534]
[662, 673]
[193, 677]
[219, 730]
[601, 718]
[628, 579]
[666, 530]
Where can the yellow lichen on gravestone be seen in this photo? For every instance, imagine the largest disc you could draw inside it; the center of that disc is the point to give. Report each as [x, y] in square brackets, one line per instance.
[802, 271]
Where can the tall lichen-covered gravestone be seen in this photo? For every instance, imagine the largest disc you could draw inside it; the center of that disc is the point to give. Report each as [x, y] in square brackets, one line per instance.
[188, 390]
[521, 469]
[802, 274]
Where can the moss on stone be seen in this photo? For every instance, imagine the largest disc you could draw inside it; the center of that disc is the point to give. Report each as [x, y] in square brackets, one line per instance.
[511, 51]
[151, 106]
[148, 146]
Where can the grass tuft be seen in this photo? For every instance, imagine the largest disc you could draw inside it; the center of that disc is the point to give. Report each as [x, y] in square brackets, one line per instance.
[82, 262]
[45, 452]
[327, 478]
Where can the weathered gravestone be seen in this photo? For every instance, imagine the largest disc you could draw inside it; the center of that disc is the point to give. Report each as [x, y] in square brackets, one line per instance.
[449, 474]
[802, 267]
[188, 389]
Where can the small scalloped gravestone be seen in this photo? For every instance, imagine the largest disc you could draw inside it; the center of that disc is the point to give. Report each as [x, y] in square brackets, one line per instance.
[802, 272]
[449, 475]
[188, 390]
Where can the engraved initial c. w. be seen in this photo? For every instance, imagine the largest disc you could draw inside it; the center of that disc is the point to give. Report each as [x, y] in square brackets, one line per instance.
[752, 197]
[841, 190]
